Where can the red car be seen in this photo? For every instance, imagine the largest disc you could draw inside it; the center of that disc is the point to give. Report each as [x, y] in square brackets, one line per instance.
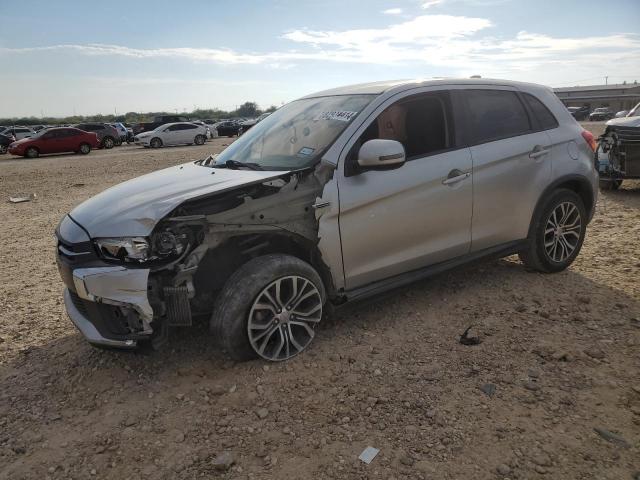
[55, 140]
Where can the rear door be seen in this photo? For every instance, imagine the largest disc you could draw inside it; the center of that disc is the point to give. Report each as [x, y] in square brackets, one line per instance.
[511, 165]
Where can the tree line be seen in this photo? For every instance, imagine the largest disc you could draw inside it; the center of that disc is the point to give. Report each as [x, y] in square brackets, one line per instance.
[247, 109]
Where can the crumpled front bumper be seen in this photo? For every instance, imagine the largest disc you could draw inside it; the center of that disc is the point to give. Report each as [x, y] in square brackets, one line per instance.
[116, 286]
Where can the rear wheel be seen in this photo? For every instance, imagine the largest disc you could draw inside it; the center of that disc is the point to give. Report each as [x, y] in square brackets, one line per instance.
[199, 140]
[155, 143]
[557, 233]
[31, 152]
[84, 148]
[108, 142]
[3, 149]
[274, 314]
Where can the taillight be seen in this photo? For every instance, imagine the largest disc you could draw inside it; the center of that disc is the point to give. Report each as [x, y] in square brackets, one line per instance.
[590, 139]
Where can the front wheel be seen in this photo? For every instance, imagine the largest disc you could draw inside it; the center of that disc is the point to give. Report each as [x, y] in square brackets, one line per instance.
[84, 149]
[32, 152]
[155, 143]
[274, 314]
[557, 233]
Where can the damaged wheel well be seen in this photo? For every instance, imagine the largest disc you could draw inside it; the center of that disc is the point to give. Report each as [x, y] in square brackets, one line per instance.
[219, 263]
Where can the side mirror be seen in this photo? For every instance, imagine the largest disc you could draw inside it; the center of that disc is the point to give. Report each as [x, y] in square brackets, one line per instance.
[381, 153]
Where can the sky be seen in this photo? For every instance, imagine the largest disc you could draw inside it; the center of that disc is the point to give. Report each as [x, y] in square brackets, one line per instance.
[70, 57]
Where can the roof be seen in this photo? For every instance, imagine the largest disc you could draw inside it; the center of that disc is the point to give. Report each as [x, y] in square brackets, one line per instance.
[587, 88]
[377, 88]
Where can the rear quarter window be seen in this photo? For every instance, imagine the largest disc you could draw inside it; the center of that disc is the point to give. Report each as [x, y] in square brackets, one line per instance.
[544, 117]
[495, 115]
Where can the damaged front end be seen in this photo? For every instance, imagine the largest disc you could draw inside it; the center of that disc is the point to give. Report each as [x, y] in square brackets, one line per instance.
[618, 155]
[122, 291]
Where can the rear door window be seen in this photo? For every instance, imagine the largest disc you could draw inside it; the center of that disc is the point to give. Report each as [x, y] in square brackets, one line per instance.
[495, 115]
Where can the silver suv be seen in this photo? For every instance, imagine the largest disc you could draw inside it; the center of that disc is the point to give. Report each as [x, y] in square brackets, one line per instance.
[334, 197]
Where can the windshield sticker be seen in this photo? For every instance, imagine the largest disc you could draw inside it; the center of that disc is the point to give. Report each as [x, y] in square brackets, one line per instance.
[306, 151]
[342, 116]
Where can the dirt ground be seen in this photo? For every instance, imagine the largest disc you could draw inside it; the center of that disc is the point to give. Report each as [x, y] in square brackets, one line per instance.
[560, 356]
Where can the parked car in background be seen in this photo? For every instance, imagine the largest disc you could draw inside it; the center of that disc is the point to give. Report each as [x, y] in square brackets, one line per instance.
[621, 114]
[247, 124]
[580, 113]
[122, 131]
[107, 134]
[18, 132]
[601, 113]
[55, 140]
[182, 133]
[158, 121]
[5, 141]
[228, 128]
[337, 196]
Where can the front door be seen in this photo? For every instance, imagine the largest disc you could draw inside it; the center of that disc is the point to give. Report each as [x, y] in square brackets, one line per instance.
[395, 221]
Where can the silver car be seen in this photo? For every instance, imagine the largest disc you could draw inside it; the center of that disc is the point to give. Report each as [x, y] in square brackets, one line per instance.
[334, 197]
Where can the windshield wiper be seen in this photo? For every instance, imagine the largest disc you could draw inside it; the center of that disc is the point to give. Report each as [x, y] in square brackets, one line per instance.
[234, 165]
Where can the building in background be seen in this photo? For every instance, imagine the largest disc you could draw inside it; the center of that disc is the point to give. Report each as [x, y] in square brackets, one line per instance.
[623, 96]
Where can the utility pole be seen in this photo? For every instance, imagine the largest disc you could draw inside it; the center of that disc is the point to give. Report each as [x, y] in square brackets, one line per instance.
[606, 80]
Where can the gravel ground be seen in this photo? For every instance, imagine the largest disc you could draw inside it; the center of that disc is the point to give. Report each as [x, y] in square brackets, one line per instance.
[558, 360]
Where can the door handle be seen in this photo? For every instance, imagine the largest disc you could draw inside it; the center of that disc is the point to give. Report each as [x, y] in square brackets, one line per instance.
[539, 151]
[455, 176]
[320, 204]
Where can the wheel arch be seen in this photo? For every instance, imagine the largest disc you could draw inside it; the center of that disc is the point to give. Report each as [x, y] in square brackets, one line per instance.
[219, 263]
[576, 183]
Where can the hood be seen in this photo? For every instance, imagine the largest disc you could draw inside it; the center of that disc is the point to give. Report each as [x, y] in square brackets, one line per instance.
[625, 122]
[134, 207]
[22, 141]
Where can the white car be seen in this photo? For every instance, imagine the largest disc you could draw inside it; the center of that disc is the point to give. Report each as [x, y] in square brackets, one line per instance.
[181, 133]
[18, 132]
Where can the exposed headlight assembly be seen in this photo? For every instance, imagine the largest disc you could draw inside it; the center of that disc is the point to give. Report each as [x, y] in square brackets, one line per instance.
[133, 249]
[163, 245]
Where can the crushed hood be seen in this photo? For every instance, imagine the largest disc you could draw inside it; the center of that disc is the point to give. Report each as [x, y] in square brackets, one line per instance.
[134, 207]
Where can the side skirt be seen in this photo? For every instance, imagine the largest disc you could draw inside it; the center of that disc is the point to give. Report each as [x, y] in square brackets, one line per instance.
[407, 278]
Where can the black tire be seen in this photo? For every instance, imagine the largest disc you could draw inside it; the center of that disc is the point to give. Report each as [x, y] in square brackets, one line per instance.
[32, 152]
[155, 143]
[536, 255]
[199, 140]
[3, 149]
[108, 143]
[609, 184]
[84, 149]
[229, 321]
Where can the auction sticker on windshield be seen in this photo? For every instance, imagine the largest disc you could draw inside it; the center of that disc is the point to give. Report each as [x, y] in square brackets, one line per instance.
[342, 116]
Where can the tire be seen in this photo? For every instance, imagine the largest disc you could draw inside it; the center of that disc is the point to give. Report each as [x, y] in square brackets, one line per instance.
[32, 152]
[237, 311]
[3, 149]
[608, 184]
[553, 249]
[108, 142]
[155, 143]
[199, 140]
[84, 149]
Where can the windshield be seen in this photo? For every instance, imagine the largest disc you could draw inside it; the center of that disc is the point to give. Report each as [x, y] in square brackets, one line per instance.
[296, 135]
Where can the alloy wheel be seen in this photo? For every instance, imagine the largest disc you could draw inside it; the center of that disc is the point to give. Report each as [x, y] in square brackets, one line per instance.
[283, 317]
[562, 232]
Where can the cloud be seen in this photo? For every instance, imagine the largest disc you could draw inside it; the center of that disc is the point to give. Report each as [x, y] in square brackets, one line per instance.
[449, 44]
[392, 11]
[431, 3]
